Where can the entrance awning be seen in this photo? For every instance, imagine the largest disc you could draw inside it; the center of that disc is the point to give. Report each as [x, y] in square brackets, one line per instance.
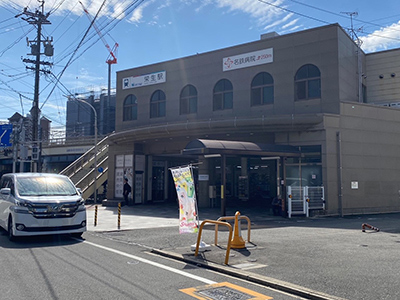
[206, 147]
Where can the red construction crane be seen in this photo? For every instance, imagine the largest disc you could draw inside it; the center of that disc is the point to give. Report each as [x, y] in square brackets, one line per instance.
[112, 58]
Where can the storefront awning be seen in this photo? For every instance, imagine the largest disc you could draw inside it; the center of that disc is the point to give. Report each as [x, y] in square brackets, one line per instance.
[209, 147]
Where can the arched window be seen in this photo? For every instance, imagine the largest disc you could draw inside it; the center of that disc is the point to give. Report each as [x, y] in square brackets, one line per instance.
[262, 89]
[157, 104]
[188, 100]
[308, 83]
[223, 95]
[130, 108]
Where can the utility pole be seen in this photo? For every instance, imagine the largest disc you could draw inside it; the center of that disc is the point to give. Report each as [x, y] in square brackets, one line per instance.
[38, 18]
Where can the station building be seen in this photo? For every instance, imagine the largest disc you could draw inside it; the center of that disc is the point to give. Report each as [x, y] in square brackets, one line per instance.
[303, 109]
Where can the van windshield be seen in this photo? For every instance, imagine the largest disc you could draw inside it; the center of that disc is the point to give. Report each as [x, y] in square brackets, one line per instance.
[45, 186]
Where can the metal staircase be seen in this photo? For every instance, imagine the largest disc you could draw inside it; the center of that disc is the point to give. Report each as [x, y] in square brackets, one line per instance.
[83, 170]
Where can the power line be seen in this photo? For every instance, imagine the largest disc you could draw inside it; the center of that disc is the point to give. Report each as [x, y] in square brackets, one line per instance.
[293, 12]
[350, 14]
[325, 22]
[69, 62]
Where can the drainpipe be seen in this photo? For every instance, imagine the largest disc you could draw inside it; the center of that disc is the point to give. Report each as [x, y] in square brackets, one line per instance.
[340, 169]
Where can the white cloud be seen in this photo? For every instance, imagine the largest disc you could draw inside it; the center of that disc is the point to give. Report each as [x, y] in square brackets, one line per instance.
[266, 16]
[112, 8]
[278, 22]
[291, 23]
[382, 39]
[262, 12]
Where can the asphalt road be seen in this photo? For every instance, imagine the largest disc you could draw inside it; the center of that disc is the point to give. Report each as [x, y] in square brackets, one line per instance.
[100, 267]
[326, 255]
[329, 255]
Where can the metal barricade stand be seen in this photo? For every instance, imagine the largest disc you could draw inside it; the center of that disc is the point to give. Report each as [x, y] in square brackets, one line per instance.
[228, 247]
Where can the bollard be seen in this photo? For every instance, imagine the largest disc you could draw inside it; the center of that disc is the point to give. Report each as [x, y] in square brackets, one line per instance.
[369, 226]
[95, 215]
[237, 241]
[119, 215]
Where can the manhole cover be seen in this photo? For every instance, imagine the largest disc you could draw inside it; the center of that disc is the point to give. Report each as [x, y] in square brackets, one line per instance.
[225, 293]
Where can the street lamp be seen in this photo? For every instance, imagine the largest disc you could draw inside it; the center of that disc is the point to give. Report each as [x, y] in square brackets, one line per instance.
[95, 146]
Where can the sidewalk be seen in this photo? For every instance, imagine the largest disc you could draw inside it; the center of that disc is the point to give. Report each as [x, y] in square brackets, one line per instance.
[132, 217]
[314, 258]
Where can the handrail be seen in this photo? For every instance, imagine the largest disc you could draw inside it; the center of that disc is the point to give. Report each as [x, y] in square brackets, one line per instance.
[90, 172]
[232, 218]
[228, 247]
[89, 153]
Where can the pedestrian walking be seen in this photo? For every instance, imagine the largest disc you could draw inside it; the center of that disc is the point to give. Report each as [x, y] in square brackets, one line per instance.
[127, 191]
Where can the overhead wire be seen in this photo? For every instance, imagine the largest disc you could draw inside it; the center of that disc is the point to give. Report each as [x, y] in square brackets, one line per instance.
[6, 20]
[15, 42]
[107, 27]
[62, 21]
[114, 23]
[77, 48]
[131, 6]
[325, 22]
[339, 15]
[55, 7]
[292, 11]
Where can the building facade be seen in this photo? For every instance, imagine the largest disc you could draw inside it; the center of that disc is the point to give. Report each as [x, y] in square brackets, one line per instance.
[257, 118]
[80, 117]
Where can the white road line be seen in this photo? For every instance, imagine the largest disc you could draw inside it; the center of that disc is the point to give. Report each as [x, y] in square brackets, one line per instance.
[201, 279]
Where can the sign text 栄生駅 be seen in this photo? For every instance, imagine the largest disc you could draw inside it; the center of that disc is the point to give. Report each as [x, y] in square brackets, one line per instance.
[144, 80]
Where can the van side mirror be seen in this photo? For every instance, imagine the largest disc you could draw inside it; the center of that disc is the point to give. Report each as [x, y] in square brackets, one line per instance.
[79, 190]
[5, 191]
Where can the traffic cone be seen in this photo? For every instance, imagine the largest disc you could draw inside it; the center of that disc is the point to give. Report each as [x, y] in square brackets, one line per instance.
[237, 241]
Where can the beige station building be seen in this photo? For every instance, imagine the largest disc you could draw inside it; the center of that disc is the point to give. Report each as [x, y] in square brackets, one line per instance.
[305, 117]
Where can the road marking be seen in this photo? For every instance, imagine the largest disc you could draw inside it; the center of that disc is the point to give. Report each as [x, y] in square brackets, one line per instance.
[143, 260]
[223, 290]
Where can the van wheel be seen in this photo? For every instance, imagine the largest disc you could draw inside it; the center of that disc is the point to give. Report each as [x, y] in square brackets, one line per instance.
[11, 236]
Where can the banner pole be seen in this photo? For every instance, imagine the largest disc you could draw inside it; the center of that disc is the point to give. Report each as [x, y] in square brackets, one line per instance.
[195, 196]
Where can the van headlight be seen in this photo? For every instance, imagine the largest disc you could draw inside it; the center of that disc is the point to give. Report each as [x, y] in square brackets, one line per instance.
[19, 209]
[81, 205]
[23, 203]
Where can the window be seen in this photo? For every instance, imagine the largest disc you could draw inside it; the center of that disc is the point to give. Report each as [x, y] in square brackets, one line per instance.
[157, 104]
[188, 100]
[262, 89]
[223, 95]
[308, 83]
[130, 108]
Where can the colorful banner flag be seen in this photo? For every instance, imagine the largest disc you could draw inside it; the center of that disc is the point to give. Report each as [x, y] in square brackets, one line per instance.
[184, 184]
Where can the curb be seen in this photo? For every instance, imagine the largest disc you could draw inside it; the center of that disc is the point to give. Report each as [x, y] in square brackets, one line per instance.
[259, 279]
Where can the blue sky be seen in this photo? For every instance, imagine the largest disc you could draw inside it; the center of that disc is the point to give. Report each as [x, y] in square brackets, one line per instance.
[152, 31]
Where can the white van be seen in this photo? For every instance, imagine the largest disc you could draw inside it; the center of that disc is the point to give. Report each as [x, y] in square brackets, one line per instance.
[40, 204]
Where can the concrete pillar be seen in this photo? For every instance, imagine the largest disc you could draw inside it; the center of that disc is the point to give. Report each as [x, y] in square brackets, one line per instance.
[203, 199]
[244, 163]
[149, 177]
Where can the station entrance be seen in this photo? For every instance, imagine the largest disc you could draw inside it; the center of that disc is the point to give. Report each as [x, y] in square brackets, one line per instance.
[238, 174]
